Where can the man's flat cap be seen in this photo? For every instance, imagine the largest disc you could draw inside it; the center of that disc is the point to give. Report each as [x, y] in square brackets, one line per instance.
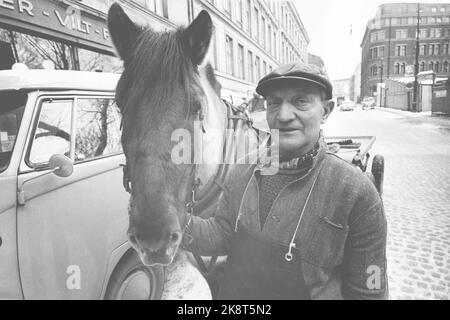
[296, 72]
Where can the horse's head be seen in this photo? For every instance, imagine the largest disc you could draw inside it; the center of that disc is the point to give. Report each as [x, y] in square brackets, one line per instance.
[161, 90]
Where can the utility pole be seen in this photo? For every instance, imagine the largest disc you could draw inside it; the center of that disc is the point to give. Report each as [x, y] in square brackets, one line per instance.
[416, 63]
[389, 49]
[381, 81]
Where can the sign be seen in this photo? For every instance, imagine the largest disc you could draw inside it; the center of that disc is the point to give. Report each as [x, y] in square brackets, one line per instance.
[440, 94]
[57, 19]
[409, 70]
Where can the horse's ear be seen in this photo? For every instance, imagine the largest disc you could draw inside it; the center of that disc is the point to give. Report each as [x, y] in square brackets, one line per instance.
[123, 31]
[197, 37]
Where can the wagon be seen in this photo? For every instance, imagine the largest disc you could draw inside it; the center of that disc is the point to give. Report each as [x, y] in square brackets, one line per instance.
[355, 150]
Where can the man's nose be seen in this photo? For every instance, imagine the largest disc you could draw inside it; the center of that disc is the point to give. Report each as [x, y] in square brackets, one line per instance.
[285, 113]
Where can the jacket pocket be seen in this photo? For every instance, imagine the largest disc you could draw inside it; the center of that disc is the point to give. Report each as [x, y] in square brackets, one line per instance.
[326, 247]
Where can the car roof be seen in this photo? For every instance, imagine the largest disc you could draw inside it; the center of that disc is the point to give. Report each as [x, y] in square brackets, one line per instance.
[57, 80]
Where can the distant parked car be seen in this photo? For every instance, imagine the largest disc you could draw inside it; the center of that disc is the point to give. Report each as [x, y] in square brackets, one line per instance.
[63, 208]
[347, 106]
[368, 103]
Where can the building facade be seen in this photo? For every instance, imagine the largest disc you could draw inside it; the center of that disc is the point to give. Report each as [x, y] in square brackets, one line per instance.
[389, 43]
[73, 34]
[250, 39]
[342, 89]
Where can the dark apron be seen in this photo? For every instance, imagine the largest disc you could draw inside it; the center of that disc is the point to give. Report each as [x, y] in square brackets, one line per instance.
[258, 270]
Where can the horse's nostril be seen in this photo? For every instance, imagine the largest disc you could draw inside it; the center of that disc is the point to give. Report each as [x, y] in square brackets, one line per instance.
[174, 237]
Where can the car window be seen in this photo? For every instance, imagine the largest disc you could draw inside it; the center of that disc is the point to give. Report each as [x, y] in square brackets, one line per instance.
[12, 106]
[97, 128]
[52, 135]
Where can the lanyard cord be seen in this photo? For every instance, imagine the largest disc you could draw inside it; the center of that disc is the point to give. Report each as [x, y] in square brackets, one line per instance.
[289, 256]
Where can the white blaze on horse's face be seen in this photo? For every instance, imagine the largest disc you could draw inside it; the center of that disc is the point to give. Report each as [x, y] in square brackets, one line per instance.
[158, 93]
[209, 152]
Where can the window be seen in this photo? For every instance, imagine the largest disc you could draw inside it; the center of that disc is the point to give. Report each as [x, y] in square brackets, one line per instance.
[52, 134]
[430, 65]
[422, 50]
[240, 12]
[422, 66]
[445, 49]
[227, 7]
[400, 50]
[442, 9]
[250, 69]
[229, 55]
[11, 112]
[97, 128]
[401, 34]
[377, 36]
[249, 16]
[269, 38]
[431, 20]
[422, 33]
[214, 50]
[433, 9]
[402, 68]
[263, 31]
[241, 65]
[445, 66]
[264, 68]
[397, 68]
[275, 44]
[432, 49]
[258, 68]
[403, 51]
[435, 33]
[256, 15]
[436, 66]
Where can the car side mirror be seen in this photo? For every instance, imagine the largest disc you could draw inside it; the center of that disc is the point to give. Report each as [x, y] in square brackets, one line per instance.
[61, 165]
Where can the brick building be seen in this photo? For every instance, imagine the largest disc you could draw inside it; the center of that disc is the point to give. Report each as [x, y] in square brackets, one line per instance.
[251, 38]
[389, 43]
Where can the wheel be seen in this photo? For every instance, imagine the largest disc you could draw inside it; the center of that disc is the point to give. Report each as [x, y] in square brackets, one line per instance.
[132, 280]
[378, 172]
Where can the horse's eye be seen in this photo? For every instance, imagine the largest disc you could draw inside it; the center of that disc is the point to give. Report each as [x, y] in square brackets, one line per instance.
[196, 107]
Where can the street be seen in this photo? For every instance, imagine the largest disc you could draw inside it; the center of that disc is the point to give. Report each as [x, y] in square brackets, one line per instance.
[416, 195]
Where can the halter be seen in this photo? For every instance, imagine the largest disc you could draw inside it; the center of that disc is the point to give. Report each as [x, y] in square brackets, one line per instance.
[236, 117]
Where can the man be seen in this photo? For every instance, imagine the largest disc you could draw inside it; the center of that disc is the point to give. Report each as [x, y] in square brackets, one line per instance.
[316, 229]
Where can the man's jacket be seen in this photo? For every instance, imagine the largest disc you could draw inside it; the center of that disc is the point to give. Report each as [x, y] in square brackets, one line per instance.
[342, 234]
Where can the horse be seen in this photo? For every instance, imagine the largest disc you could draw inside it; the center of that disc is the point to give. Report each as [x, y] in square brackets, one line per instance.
[165, 89]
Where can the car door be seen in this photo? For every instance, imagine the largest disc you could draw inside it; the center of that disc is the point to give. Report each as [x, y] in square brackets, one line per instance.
[68, 227]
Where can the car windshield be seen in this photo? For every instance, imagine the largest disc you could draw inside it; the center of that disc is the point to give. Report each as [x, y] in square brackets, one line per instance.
[12, 105]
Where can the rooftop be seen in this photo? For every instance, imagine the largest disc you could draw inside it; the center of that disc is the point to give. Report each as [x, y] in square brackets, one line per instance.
[57, 80]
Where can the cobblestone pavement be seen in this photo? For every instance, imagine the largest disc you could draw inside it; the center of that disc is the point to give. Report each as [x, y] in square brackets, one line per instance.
[416, 195]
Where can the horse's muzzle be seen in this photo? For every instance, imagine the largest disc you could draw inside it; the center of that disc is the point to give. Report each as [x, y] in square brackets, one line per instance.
[162, 254]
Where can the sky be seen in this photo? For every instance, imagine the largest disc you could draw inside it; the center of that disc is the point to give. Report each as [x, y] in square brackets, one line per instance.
[336, 28]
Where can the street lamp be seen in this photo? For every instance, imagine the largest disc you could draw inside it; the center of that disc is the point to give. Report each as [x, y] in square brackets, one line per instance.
[381, 80]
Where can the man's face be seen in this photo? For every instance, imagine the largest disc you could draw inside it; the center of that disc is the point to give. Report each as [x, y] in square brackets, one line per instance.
[296, 111]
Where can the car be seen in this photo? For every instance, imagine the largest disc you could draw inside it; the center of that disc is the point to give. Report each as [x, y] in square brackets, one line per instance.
[368, 103]
[63, 207]
[347, 106]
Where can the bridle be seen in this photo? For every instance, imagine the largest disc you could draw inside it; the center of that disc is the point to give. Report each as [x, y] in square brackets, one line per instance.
[237, 116]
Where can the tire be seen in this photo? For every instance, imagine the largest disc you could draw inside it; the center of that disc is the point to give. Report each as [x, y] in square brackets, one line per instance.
[132, 280]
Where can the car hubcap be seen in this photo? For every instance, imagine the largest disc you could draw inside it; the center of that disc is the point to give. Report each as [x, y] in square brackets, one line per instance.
[138, 285]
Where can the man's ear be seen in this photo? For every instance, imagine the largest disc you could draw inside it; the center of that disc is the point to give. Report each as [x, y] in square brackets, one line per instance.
[328, 107]
[197, 37]
[122, 30]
